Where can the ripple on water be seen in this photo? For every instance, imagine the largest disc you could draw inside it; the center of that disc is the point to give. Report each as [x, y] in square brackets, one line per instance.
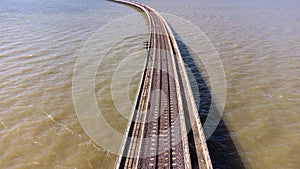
[39, 43]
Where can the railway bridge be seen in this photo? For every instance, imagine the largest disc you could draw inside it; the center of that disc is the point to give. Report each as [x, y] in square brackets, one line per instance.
[164, 129]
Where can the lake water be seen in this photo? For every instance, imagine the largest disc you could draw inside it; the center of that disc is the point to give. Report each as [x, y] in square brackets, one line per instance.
[258, 44]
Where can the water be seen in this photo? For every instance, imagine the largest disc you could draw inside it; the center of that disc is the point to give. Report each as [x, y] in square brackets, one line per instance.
[258, 43]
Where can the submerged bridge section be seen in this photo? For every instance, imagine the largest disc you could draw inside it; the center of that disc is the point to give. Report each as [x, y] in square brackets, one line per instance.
[164, 130]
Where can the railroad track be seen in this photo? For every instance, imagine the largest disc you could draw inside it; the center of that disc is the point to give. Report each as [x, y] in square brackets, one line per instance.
[156, 136]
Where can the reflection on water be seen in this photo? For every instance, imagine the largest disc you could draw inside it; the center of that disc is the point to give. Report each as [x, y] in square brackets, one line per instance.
[39, 41]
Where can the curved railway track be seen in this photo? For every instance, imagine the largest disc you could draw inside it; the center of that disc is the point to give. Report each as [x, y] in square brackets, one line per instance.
[156, 136]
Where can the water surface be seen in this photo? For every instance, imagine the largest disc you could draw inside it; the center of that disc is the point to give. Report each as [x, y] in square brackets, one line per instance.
[258, 43]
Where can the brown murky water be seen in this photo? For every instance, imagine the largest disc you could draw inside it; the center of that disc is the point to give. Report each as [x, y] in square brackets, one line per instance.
[258, 44]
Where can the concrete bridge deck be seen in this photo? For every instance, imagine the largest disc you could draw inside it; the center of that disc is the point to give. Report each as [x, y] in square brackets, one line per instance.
[164, 130]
